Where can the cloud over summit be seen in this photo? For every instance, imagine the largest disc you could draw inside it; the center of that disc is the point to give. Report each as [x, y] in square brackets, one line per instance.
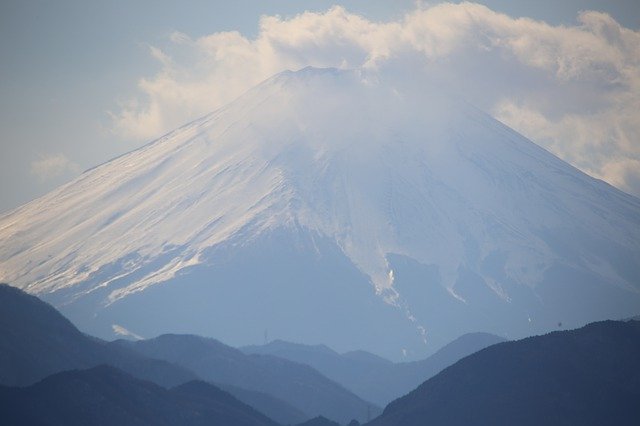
[572, 89]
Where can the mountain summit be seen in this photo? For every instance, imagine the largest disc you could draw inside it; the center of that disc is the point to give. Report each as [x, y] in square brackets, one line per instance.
[332, 206]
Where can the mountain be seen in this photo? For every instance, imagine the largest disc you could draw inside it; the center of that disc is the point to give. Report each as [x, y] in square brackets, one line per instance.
[357, 209]
[360, 372]
[37, 341]
[299, 385]
[589, 376]
[276, 409]
[105, 396]
[369, 376]
[407, 376]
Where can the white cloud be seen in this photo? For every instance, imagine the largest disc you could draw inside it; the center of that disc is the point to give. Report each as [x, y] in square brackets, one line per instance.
[573, 89]
[53, 166]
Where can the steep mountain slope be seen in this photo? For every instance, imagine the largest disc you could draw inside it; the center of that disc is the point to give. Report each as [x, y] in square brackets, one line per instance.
[373, 378]
[105, 396]
[589, 376]
[298, 384]
[326, 206]
[37, 341]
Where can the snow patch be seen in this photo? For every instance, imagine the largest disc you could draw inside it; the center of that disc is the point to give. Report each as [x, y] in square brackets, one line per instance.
[121, 331]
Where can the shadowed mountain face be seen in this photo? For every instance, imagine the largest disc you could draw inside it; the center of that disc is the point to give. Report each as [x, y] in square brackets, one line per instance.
[36, 341]
[369, 376]
[588, 376]
[389, 205]
[298, 384]
[105, 396]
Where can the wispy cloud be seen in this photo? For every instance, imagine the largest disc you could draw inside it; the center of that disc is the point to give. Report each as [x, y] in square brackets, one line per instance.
[573, 89]
[53, 166]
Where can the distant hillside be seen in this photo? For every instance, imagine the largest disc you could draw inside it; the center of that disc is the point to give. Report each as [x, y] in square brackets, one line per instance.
[36, 341]
[369, 376]
[298, 384]
[274, 408]
[588, 376]
[106, 396]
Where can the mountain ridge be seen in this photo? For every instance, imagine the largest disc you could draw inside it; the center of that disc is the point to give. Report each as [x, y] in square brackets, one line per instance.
[36, 342]
[373, 378]
[104, 395]
[586, 376]
[299, 384]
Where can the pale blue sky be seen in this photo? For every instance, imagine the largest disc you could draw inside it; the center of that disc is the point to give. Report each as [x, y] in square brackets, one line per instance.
[66, 64]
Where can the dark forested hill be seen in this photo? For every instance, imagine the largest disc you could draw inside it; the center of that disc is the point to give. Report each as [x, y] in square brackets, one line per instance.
[588, 376]
[106, 396]
[36, 341]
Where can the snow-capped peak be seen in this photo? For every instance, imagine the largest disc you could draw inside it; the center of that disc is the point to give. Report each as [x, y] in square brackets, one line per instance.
[375, 165]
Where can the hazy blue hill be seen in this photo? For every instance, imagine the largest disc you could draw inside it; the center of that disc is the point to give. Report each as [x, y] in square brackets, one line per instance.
[371, 377]
[296, 383]
[274, 408]
[355, 371]
[588, 376]
[106, 396]
[223, 408]
[37, 341]
[288, 349]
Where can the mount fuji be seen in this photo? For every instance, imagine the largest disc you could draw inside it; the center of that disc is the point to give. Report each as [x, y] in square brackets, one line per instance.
[336, 206]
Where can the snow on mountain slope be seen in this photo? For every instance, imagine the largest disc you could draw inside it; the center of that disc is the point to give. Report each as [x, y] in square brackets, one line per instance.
[388, 173]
